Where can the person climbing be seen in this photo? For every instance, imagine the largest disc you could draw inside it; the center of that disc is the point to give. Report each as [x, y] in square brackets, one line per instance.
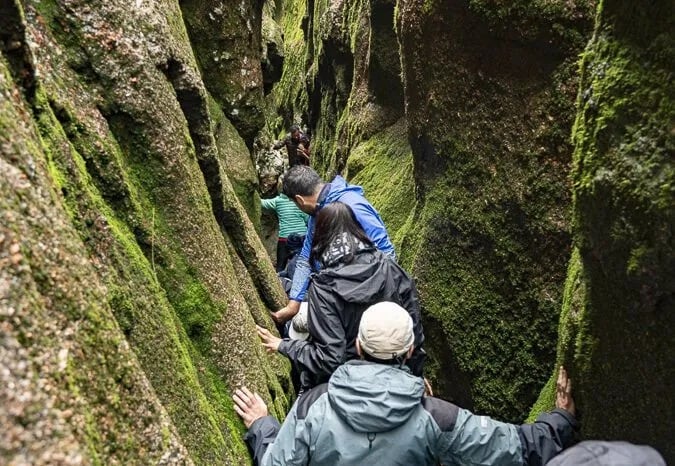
[292, 221]
[352, 276]
[297, 146]
[306, 188]
[373, 411]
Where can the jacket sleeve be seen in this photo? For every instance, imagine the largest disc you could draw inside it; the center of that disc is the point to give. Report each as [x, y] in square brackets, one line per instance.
[370, 221]
[302, 268]
[290, 447]
[548, 436]
[260, 435]
[327, 349]
[479, 440]
[280, 144]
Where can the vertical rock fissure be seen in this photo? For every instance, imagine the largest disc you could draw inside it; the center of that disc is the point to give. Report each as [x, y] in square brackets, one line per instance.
[229, 214]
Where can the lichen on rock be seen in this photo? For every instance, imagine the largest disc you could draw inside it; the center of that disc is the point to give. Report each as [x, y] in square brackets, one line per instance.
[136, 167]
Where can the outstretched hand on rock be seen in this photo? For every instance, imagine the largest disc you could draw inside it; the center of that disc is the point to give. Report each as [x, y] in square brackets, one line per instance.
[269, 341]
[563, 392]
[249, 406]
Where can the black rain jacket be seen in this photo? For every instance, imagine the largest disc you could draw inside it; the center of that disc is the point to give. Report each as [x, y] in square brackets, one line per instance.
[338, 295]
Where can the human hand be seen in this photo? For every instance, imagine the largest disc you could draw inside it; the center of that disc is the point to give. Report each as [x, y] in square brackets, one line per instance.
[428, 391]
[269, 341]
[249, 406]
[563, 395]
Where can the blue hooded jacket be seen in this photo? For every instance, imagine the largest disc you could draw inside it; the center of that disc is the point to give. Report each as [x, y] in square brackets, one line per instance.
[365, 214]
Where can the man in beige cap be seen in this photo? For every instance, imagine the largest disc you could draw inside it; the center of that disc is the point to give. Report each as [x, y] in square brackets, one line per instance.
[373, 411]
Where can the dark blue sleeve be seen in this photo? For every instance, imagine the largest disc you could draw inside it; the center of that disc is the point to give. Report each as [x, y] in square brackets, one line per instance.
[548, 436]
[260, 435]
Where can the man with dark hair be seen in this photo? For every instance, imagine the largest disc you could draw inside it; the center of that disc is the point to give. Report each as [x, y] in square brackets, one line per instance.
[304, 186]
[373, 411]
[297, 146]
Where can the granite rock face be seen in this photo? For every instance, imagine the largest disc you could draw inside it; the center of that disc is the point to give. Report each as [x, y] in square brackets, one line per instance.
[132, 273]
[616, 328]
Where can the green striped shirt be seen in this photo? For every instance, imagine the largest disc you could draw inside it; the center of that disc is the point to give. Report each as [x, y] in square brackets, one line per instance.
[291, 219]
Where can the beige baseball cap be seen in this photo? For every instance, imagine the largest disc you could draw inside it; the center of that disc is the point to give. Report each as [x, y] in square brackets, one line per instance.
[386, 331]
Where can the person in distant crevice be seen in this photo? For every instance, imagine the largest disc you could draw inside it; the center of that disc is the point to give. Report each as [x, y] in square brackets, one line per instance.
[297, 146]
[373, 411]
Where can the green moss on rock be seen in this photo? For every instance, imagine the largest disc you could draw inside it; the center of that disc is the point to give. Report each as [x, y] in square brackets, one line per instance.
[383, 166]
[621, 341]
[488, 123]
[122, 126]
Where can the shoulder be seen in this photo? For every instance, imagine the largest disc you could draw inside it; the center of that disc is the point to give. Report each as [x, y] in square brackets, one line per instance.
[443, 413]
[309, 399]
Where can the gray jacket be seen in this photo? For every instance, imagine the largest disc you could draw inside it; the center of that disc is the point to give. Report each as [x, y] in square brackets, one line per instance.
[602, 453]
[376, 414]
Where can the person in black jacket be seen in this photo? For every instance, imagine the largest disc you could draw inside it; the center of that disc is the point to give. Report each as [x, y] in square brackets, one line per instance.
[352, 276]
[297, 146]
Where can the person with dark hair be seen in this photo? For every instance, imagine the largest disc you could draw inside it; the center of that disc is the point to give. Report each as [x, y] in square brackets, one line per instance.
[373, 411]
[304, 186]
[352, 275]
[297, 146]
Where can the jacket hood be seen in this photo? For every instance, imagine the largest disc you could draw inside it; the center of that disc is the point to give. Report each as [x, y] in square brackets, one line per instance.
[343, 245]
[361, 279]
[338, 187]
[373, 398]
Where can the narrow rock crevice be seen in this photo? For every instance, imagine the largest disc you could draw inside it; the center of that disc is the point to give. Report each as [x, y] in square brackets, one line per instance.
[14, 47]
[227, 210]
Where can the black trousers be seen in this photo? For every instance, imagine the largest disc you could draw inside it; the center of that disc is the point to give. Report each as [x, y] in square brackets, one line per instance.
[283, 254]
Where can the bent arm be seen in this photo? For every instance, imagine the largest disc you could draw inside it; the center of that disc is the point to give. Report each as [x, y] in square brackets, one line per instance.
[280, 144]
[260, 435]
[275, 445]
[370, 221]
[328, 347]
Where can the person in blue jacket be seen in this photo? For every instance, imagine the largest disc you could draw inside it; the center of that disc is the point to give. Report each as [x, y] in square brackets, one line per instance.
[373, 411]
[310, 193]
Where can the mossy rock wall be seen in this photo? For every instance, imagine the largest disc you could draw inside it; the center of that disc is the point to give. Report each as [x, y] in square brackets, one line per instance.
[455, 117]
[341, 76]
[489, 94]
[226, 40]
[131, 275]
[616, 329]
